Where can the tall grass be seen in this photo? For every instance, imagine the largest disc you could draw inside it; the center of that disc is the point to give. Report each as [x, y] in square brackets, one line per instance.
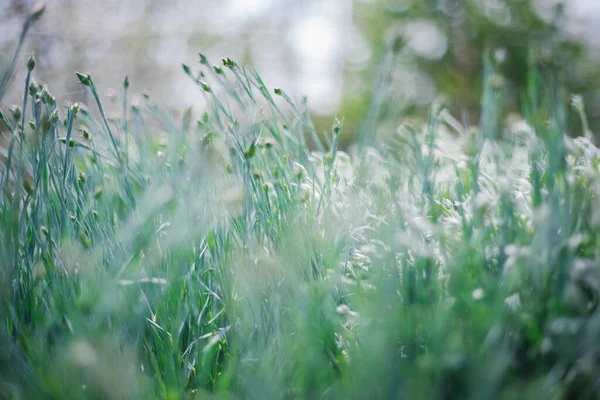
[223, 257]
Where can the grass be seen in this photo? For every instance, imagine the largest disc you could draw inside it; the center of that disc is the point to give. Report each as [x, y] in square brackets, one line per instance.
[224, 258]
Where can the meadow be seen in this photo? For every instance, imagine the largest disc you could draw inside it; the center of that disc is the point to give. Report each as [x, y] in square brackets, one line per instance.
[242, 254]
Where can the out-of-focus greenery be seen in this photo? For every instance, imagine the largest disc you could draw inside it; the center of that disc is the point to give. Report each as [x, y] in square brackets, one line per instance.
[446, 41]
[512, 33]
[220, 257]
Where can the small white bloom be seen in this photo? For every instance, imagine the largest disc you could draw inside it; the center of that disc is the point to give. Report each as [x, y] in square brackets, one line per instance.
[478, 294]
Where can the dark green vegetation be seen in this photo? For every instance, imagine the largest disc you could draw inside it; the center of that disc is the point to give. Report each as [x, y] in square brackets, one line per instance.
[517, 33]
[153, 258]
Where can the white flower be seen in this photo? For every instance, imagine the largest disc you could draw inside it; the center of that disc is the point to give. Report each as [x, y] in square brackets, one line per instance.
[478, 294]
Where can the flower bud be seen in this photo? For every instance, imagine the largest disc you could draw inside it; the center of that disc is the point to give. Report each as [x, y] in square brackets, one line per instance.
[31, 63]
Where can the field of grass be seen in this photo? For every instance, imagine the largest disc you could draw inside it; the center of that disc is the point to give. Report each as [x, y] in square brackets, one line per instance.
[244, 255]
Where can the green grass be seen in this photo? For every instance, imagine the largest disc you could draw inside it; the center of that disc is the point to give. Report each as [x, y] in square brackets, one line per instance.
[223, 257]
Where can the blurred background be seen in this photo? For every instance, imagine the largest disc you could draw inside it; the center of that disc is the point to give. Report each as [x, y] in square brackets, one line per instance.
[329, 50]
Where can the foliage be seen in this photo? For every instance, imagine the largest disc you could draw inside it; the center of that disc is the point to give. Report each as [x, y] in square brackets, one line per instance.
[154, 258]
[512, 33]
